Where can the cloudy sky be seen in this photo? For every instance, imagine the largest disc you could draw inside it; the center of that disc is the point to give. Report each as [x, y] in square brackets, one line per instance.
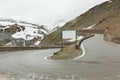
[45, 12]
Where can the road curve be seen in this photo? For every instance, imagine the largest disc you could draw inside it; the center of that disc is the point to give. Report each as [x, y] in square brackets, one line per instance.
[100, 62]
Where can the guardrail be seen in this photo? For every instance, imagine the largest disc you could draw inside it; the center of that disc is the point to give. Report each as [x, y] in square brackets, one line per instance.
[27, 48]
[99, 31]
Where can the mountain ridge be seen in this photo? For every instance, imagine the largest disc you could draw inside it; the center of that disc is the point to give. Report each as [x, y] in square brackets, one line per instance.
[19, 33]
[94, 16]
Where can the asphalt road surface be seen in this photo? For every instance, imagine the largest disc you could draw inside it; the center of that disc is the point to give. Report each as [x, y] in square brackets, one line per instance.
[101, 61]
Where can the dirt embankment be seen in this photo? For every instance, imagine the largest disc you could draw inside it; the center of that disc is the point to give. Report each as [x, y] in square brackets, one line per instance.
[112, 31]
[111, 23]
[70, 51]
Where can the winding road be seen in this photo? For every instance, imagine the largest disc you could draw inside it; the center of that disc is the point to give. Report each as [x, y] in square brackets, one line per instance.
[101, 61]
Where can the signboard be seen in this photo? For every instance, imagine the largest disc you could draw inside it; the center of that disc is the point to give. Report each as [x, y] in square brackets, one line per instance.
[69, 34]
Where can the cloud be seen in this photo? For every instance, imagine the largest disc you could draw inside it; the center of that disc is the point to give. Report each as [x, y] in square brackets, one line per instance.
[45, 11]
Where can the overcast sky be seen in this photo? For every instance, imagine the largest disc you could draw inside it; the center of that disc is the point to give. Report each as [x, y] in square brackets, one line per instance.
[45, 12]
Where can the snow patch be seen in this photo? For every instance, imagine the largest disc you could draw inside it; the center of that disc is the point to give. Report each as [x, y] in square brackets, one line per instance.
[58, 25]
[78, 38]
[28, 34]
[37, 43]
[6, 23]
[8, 44]
[110, 1]
[6, 27]
[90, 27]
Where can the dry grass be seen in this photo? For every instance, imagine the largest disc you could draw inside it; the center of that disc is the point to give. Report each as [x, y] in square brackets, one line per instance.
[69, 52]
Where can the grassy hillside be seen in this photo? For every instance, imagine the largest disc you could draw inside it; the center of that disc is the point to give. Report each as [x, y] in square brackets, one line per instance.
[111, 23]
[52, 38]
[94, 16]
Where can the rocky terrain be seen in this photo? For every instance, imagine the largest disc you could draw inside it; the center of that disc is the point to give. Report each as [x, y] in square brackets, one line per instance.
[20, 33]
[111, 23]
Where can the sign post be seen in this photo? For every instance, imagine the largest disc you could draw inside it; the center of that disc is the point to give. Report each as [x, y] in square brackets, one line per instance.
[69, 34]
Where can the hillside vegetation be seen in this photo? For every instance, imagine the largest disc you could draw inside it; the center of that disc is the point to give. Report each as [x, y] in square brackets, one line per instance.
[103, 16]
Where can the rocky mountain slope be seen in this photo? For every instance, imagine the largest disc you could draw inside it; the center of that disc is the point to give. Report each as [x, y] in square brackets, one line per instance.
[111, 23]
[104, 16]
[20, 33]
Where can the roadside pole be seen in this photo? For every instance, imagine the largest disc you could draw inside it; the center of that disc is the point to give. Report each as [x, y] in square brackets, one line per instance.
[61, 39]
[76, 40]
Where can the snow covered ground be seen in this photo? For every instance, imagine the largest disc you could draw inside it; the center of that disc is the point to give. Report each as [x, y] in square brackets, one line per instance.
[78, 38]
[58, 25]
[90, 27]
[28, 34]
[24, 31]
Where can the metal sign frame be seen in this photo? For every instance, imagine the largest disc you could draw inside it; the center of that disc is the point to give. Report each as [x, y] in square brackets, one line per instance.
[68, 34]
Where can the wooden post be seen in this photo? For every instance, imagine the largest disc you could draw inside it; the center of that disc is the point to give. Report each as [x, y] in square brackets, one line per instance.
[61, 39]
[76, 40]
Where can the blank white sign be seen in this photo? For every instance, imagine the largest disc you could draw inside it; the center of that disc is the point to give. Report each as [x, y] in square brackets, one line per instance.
[70, 34]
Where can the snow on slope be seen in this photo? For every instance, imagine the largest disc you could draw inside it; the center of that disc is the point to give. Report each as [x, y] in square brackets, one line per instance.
[20, 31]
[58, 25]
[90, 27]
[31, 30]
[28, 34]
